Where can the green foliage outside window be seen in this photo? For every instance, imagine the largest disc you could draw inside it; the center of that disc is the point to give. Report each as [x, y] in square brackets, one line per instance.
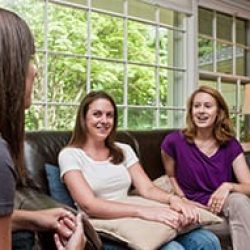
[63, 47]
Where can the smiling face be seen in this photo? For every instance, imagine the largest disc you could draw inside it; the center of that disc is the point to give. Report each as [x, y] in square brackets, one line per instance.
[99, 120]
[204, 110]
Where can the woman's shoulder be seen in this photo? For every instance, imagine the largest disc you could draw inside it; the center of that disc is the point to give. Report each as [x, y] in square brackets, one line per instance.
[233, 143]
[173, 140]
[6, 162]
[3, 145]
[174, 136]
[4, 151]
[69, 150]
[123, 146]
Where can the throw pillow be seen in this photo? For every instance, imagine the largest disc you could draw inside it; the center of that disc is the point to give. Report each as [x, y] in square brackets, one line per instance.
[57, 189]
[162, 182]
[141, 234]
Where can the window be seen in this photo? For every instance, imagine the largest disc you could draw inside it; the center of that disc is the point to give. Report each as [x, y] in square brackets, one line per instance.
[223, 53]
[131, 49]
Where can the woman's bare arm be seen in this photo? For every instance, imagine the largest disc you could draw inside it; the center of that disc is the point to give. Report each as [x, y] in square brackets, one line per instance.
[169, 165]
[5, 232]
[100, 208]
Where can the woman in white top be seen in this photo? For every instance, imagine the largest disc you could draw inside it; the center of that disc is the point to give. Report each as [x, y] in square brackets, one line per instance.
[98, 173]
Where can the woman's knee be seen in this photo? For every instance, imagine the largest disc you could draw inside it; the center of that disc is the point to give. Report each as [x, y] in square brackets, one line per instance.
[200, 239]
[237, 199]
[172, 245]
[23, 240]
[237, 204]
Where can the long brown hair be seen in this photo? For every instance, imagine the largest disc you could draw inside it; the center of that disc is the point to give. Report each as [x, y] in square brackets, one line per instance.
[223, 129]
[79, 134]
[16, 48]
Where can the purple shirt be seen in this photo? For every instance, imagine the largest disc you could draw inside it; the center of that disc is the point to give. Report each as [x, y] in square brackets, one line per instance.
[197, 174]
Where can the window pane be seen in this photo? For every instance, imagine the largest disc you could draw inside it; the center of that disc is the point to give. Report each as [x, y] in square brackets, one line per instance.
[205, 22]
[33, 13]
[244, 132]
[120, 117]
[171, 47]
[38, 85]
[67, 29]
[141, 118]
[229, 92]
[233, 120]
[171, 118]
[109, 77]
[66, 79]
[241, 95]
[171, 88]
[109, 5]
[209, 83]
[224, 27]
[61, 117]
[141, 10]
[107, 36]
[164, 88]
[241, 31]
[34, 118]
[172, 18]
[240, 61]
[205, 54]
[141, 42]
[141, 86]
[224, 58]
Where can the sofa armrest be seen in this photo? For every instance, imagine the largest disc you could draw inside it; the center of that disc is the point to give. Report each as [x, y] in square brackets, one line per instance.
[30, 199]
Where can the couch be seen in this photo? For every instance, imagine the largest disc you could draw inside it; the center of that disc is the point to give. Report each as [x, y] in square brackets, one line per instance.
[43, 147]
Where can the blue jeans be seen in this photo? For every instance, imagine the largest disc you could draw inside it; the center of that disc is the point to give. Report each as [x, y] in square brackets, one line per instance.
[23, 240]
[199, 239]
[112, 245]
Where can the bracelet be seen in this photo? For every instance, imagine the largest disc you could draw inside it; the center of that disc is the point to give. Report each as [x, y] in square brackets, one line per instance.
[169, 198]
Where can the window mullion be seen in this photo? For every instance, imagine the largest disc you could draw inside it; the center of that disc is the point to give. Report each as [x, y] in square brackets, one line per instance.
[88, 64]
[157, 69]
[234, 44]
[125, 58]
[46, 27]
[214, 25]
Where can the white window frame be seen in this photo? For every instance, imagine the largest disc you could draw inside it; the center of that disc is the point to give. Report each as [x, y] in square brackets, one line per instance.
[236, 9]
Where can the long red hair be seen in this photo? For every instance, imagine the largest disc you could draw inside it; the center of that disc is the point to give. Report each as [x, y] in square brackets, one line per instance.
[223, 129]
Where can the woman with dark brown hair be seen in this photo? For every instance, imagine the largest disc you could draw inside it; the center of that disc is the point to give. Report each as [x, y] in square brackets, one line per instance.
[16, 50]
[201, 160]
[17, 73]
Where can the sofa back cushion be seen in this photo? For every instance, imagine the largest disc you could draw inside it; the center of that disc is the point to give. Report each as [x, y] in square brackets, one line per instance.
[44, 146]
[150, 150]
